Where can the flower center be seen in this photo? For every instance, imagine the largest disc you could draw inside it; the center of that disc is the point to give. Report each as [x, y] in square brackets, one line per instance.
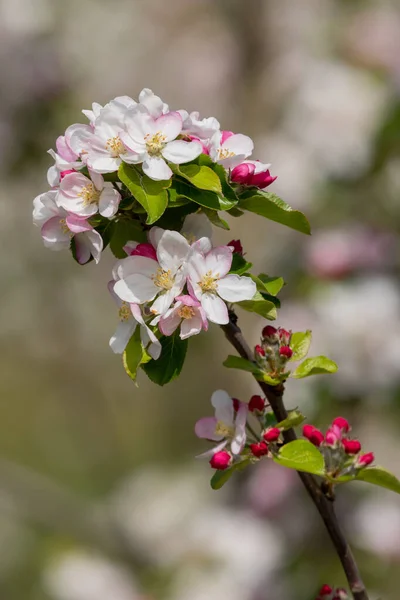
[115, 146]
[225, 430]
[89, 194]
[186, 312]
[224, 153]
[124, 312]
[209, 282]
[163, 279]
[155, 143]
[64, 227]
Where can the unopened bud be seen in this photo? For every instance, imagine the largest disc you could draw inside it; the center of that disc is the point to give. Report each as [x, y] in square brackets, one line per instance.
[284, 336]
[66, 172]
[259, 351]
[270, 333]
[286, 351]
[272, 434]
[314, 435]
[342, 423]
[144, 249]
[236, 404]
[256, 403]
[258, 450]
[365, 459]
[237, 246]
[221, 460]
[332, 436]
[351, 446]
[325, 590]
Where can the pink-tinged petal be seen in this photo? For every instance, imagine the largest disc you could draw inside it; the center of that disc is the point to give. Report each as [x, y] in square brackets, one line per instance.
[72, 185]
[191, 327]
[242, 173]
[212, 451]
[54, 235]
[196, 267]
[225, 135]
[136, 264]
[191, 290]
[239, 439]
[136, 288]
[169, 322]
[188, 300]
[143, 249]
[77, 224]
[263, 180]
[233, 288]
[153, 103]
[97, 179]
[78, 137]
[179, 152]
[239, 144]
[137, 313]
[122, 335]
[219, 261]
[64, 150]
[82, 249]
[224, 411]
[205, 429]
[156, 168]
[170, 125]
[172, 250]
[109, 202]
[203, 318]
[215, 309]
[137, 149]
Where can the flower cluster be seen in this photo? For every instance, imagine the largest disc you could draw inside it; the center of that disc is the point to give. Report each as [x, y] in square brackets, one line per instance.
[274, 351]
[328, 593]
[342, 455]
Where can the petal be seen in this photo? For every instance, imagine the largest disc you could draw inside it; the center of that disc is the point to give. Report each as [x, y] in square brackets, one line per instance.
[163, 302]
[170, 125]
[138, 148]
[219, 261]
[77, 224]
[109, 202]
[136, 288]
[155, 235]
[239, 144]
[191, 327]
[172, 250]
[154, 349]
[102, 162]
[136, 264]
[233, 288]
[188, 300]
[239, 439]
[215, 309]
[156, 168]
[205, 429]
[122, 335]
[169, 322]
[179, 152]
[78, 137]
[53, 234]
[224, 411]
[203, 245]
[212, 451]
[95, 242]
[82, 247]
[153, 103]
[196, 226]
[139, 123]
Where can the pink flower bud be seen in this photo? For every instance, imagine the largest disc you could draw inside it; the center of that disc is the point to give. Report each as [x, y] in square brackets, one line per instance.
[284, 336]
[351, 446]
[259, 350]
[256, 403]
[325, 590]
[270, 333]
[236, 404]
[314, 435]
[342, 423]
[243, 173]
[258, 450]
[365, 459]
[193, 138]
[144, 250]
[66, 172]
[263, 179]
[237, 246]
[333, 436]
[221, 460]
[286, 351]
[271, 434]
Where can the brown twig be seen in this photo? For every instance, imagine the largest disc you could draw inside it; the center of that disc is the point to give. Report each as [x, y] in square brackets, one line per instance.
[274, 395]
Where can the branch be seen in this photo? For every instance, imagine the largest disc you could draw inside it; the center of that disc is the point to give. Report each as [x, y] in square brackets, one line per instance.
[274, 395]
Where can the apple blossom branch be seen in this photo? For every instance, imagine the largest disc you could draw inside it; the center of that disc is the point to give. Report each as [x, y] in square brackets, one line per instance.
[325, 507]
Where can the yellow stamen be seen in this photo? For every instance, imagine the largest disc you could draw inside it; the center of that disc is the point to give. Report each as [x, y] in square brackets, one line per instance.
[115, 146]
[64, 227]
[224, 153]
[124, 312]
[163, 279]
[89, 194]
[186, 312]
[155, 143]
[225, 430]
[209, 282]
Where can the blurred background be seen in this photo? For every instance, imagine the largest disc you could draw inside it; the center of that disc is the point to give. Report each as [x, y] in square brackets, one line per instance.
[100, 495]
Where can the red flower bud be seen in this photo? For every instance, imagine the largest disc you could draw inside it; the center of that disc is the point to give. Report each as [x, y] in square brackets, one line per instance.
[332, 436]
[351, 446]
[271, 434]
[342, 423]
[144, 249]
[236, 404]
[256, 403]
[237, 246]
[325, 590]
[258, 450]
[221, 460]
[269, 332]
[284, 336]
[259, 350]
[314, 435]
[286, 351]
[365, 459]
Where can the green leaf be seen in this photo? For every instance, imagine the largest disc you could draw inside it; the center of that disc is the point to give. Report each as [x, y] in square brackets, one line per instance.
[204, 198]
[272, 285]
[294, 419]
[215, 219]
[152, 195]
[260, 306]
[237, 362]
[300, 343]
[381, 477]
[239, 264]
[272, 207]
[221, 477]
[301, 455]
[200, 176]
[317, 365]
[227, 190]
[134, 355]
[125, 230]
[169, 365]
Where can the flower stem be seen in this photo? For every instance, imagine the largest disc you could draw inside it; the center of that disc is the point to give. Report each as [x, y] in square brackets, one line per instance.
[325, 507]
